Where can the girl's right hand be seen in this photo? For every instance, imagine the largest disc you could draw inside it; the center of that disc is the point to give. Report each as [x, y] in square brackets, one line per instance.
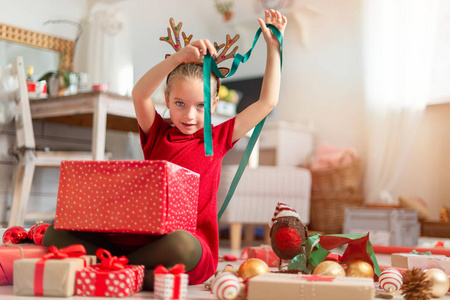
[195, 50]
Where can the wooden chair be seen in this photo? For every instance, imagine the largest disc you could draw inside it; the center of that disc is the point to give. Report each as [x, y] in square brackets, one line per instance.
[28, 158]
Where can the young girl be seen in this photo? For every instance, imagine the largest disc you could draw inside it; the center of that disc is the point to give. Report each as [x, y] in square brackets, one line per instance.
[182, 143]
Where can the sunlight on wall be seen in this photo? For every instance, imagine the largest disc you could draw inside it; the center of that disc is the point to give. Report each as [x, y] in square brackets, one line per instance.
[125, 79]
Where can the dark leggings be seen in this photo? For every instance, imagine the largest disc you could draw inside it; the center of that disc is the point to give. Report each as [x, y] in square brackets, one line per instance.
[178, 247]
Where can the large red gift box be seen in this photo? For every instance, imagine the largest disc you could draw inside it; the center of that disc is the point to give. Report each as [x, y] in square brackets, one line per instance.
[151, 197]
[10, 253]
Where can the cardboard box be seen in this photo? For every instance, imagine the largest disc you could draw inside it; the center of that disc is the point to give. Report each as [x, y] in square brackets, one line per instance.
[56, 278]
[151, 197]
[394, 227]
[97, 281]
[11, 253]
[422, 261]
[271, 286]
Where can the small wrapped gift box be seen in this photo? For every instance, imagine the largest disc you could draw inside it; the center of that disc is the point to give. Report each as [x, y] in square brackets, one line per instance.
[271, 286]
[111, 278]
[263, 252]
[171, 284]
[152, 197]
[421, 260]
[51, 275]
[12, 252]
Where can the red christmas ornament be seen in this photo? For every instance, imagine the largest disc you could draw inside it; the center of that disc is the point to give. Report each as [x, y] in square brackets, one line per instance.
[38, 234]
[31, 231]
[288, 239]
[14, 235]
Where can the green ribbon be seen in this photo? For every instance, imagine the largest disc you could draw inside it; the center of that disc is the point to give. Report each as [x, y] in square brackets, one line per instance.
[208, 65]
[241, 168]
[420, 253]
[317, 254]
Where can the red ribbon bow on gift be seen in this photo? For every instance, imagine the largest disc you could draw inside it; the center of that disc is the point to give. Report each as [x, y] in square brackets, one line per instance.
[73, 251]
[111, 262]
[177, 269]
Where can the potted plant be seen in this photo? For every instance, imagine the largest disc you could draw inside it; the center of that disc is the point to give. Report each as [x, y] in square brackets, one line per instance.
[224, 8]
[57, 81]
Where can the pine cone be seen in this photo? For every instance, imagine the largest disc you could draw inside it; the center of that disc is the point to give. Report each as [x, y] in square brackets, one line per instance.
[416, 285]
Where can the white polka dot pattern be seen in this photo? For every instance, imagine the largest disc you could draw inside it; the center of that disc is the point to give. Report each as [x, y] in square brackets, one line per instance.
[153, 197]
[94, 281]
[164, 286]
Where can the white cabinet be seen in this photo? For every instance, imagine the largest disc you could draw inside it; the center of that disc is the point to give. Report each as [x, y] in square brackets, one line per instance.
[285, 144]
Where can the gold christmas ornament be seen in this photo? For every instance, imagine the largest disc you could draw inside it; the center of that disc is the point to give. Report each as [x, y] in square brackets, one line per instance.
[439, 282]
[329, 268]
[359, 268]
[252, 267]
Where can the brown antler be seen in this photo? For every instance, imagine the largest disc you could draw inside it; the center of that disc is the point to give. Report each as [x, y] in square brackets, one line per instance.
[176, 45]
[226, 46]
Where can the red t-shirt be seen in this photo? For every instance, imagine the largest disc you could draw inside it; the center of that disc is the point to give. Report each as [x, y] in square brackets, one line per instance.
[165, 142]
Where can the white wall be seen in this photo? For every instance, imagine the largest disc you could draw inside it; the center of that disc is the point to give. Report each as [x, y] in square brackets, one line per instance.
[321, 83]
[30, 14]
[427, 173]
[151, 18]
[322, 80]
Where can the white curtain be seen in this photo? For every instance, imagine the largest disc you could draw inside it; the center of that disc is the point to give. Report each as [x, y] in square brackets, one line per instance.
[109, 52]
[399, 42]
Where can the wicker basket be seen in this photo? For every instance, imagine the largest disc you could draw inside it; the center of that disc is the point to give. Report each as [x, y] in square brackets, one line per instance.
[327, 210]
[345, 177]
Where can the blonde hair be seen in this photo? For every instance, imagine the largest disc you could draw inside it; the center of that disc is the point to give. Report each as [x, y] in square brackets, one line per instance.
[191, 70]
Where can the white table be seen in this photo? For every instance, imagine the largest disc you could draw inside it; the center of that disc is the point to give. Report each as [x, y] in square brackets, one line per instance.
[100, 110]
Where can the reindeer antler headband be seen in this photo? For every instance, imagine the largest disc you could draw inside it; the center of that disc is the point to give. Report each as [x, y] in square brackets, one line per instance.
[176, 44]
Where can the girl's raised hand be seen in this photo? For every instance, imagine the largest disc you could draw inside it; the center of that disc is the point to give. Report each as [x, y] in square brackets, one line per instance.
[275, 18]
[196, 50]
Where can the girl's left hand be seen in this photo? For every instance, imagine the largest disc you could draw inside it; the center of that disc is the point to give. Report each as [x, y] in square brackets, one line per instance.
[275, 18]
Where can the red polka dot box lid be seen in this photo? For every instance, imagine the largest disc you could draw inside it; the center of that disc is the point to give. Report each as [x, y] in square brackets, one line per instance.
[151, 197]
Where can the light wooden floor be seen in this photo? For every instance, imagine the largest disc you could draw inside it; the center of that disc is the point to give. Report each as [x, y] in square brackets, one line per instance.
[195, 292]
